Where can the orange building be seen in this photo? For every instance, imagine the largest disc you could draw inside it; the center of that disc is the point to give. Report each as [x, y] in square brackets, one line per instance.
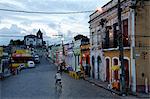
[85, 56]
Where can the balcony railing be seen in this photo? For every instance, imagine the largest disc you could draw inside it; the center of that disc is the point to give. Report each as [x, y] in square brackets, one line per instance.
[114, 44]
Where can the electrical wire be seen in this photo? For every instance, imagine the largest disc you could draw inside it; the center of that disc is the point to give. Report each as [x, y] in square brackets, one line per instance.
[144, 36]
[44, 12]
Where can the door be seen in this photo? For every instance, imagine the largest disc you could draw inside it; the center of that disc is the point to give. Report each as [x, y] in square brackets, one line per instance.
[126, 65]
[107, 70]
[98, 66]
[93, 64]
[88, 65]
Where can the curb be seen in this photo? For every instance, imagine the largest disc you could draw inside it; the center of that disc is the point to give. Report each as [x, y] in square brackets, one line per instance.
[116, 92]
[113, 91]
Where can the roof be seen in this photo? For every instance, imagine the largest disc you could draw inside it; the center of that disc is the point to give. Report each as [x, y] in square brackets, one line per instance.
[109, 9]
[39, 32]
[102, 7]
[30, 36]
[79, 36]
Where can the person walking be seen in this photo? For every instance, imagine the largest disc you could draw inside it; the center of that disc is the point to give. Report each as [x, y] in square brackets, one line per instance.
[57, 77]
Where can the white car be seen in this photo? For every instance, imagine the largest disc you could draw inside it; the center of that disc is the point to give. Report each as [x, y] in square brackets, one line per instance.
[36, 59]
[31, 64]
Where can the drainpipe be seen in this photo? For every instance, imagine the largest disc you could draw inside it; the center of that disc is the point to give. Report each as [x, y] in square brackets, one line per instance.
[133, 70]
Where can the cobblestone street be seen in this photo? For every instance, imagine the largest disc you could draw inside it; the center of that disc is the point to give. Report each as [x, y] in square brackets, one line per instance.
[38, 83]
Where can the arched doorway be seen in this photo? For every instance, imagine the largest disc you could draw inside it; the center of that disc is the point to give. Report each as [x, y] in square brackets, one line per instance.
[98, 66]
[93, 65]
[88, 65]
[126, 65]
[116, 71]
[107, 69]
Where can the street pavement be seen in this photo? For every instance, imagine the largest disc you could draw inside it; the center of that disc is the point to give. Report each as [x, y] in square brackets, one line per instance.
[39, 83]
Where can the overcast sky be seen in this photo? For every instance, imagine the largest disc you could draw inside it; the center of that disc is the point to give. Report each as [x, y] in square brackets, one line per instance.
[20, 24]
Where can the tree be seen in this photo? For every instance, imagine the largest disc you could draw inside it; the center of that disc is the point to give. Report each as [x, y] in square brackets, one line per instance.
[11, 42]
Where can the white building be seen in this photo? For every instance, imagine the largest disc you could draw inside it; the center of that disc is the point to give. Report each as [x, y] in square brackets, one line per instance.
[34, 40]
[96, 55]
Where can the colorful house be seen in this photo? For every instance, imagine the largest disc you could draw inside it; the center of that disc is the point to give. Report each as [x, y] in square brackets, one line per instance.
[69, 58]
[76, 51]
[136, 42]
[85, 56]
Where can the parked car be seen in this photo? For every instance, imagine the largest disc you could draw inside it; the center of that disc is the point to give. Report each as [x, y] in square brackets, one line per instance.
[31, 64]
[36, 59]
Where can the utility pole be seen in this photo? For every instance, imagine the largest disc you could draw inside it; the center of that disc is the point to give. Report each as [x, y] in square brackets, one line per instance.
[121, 57]
[63, 54]
[63, 50]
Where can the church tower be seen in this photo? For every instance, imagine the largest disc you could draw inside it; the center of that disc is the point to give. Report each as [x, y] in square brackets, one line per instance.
[40, 34]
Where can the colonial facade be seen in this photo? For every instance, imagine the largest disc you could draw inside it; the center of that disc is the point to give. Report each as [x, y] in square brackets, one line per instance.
[85, 56]
[34, 40]
[76, 51]
[69, 55]
[104, 43]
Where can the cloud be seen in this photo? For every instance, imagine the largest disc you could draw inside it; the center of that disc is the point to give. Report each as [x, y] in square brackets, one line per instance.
[53, 25]
[68, 25]
[14, 32]
[12, 4]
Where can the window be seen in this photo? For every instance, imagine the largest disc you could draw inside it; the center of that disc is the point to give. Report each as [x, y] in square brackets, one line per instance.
[115, 35]
[125, 33]
[99, 60]
[98, 38]
[107, 39]
[92, 38]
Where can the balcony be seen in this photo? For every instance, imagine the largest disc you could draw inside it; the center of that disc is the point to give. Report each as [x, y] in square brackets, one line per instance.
[114, 43]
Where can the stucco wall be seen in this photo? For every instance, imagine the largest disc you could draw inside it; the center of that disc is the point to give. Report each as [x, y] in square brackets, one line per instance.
[142, 29]
[115, 54]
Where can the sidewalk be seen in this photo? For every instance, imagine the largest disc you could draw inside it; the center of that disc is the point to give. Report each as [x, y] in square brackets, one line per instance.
[104, 85]
[101, 84]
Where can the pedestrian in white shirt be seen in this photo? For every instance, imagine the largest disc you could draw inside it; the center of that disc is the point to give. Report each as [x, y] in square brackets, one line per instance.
[58, 77]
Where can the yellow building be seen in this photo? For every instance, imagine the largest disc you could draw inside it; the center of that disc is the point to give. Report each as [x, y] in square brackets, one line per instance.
[1, 51]
[85, 56]
[142, 46]
[136, 42]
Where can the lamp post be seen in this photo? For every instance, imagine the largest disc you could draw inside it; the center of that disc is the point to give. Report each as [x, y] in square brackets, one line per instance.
[121, 57]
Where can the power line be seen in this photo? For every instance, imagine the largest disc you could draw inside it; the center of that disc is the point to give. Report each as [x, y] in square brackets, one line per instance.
[44, 12]
[144, 36]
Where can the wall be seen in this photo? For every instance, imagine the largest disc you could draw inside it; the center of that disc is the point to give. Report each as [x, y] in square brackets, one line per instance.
[142, 30]
[115, 54]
